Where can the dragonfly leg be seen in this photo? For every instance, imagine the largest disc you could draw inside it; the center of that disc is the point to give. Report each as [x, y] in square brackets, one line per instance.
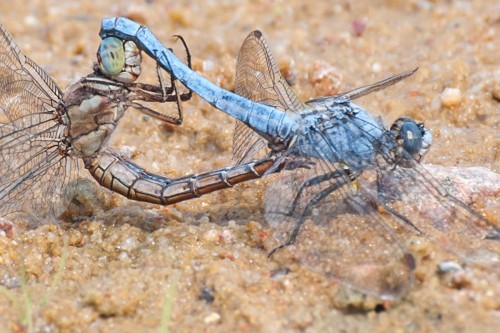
[156, 114]
[312, 182]
[158, 94]
[161, 93]
[314, 200]
[186, 96]
[381, 199]
[172, 90]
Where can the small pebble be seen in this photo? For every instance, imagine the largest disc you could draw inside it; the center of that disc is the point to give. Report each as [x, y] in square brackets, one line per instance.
[30, 20]
[376, 67]
[451, 97]
[212, 318]
[453, 275]
[6, 228]
[204, 219]
[174, 214]
[228, 236]
[123, 256]
[325, 78]
[280, 273]
[129, 244]
[207, 65]
[446, 267]
[496, 93]
[359, 27]
[10, 282]
[211, 235]
[207, 294]
[460, 280]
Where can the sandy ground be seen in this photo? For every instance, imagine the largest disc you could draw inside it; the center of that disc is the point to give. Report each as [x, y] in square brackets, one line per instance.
[123, 259]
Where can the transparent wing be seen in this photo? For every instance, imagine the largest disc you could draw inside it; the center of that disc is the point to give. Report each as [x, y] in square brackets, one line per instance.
[34, 175]
[335, 230]
[440, 216]
[412, 195]
[25, 87]
[258, 78]
[363, 91]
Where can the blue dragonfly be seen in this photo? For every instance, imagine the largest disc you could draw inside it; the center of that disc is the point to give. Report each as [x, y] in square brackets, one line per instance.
[343, 174]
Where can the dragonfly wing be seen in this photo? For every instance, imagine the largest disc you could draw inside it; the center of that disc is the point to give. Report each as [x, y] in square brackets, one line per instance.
[341, 235]
[363, 91]
[439, 214]
[33, 168]
[333, 214]
[30, 134]
[26, 88]
[258, 78]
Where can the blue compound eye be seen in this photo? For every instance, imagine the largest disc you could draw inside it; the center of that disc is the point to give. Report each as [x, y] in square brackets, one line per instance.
[111, 56]
[412, 137]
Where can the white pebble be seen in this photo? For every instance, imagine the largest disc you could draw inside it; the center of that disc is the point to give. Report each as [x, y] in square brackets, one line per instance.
[451, 97]
[207, 65]
[448, 267]
[30, 20]
[376, 67]
[211, 235]
[204, 219]
[212, 318]
[123, 256]
[227, 236]
[129, 244]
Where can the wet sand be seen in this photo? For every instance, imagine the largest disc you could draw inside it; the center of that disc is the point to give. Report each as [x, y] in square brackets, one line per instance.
[121, 257]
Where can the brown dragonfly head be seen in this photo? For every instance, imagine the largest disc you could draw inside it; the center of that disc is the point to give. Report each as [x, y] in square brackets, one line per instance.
[119, 60]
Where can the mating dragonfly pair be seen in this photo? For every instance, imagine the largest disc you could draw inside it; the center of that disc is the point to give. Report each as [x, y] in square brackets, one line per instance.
[337, 165]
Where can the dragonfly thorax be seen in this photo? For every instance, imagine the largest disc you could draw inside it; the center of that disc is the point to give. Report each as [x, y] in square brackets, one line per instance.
[346, 134]
[93, 118]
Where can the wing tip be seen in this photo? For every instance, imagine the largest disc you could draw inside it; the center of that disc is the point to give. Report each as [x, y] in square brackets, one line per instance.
[257, 33]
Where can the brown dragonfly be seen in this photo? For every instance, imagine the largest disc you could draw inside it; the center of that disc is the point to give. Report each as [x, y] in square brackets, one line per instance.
[47, 136]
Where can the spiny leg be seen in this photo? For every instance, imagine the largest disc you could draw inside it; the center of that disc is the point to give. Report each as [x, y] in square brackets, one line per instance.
[381, 199]
[315, 199]
[162, 93]
[186, 96]
[312, 182]
[174, 84]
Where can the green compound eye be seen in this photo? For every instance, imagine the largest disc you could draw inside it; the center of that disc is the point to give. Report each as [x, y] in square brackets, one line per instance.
[111, 56]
